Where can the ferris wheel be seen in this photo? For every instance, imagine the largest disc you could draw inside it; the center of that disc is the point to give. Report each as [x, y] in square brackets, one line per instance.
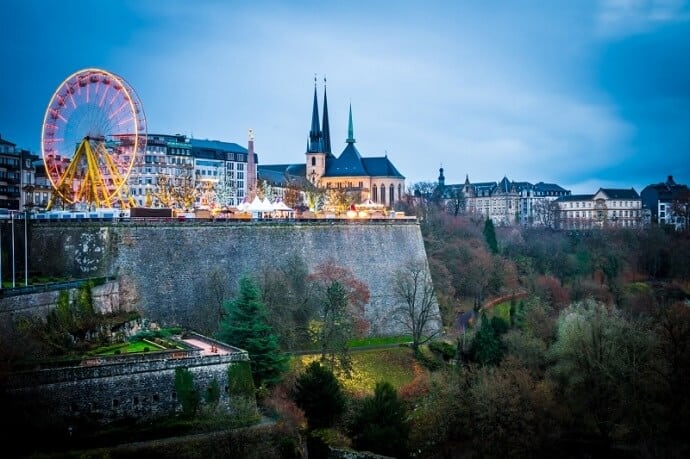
[93, 130]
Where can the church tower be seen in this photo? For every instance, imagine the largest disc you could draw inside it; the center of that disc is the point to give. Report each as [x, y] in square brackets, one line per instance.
[326, 125]
[316, 145]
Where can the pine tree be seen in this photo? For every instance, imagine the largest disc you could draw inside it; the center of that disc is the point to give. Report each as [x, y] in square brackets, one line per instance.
[380, 425]
[318, 393]
[246, 326]
[490, 235]
[487, 348]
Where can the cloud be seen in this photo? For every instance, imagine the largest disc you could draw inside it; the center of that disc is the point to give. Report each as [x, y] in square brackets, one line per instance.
[627, 17]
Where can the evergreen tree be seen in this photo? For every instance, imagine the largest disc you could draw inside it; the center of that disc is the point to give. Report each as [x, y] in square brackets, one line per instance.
[317, 392]
[490, 235]
[380, 425]
[487, 348]
[246, 326]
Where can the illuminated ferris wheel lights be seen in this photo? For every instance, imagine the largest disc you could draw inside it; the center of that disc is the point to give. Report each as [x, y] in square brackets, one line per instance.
[84, 163]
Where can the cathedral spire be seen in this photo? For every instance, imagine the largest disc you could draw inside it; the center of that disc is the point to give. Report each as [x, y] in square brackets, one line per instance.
[350, 130]
[315, 132]
[326, 125]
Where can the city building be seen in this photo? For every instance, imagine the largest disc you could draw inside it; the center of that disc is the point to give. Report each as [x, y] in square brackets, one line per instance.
[10, 175]
[666, 203]
[608, 207]
[374, 178]
[201, 173]
[18, 178]
[505, 202]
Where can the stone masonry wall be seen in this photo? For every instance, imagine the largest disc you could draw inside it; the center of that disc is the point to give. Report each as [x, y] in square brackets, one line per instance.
[120, 389]
[167, 271]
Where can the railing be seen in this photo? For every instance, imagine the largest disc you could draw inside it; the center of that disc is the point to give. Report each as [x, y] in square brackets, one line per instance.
[52, 286]
[227, 221]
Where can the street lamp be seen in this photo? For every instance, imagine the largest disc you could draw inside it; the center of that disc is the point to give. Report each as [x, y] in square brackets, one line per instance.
[14, 283]
[28, 206]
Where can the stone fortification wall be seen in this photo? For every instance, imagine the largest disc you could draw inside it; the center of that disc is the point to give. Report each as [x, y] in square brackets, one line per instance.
[169, 272]
[35, 301]
[119, 388]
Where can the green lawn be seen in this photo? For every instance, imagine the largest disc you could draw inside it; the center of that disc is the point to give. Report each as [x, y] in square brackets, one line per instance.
[130, 347]
[501, 310]
[379, 341]
[395, 365]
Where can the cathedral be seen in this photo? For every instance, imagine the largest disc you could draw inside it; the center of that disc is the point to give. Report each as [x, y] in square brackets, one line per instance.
[376, 178]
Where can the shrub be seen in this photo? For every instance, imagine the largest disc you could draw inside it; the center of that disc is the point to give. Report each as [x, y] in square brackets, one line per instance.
[446, 350]
[240, 380]
[212, 395]
[318, 393]
[187, 393]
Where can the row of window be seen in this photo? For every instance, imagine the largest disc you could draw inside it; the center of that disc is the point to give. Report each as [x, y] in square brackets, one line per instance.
[600, 214]
[591, 204]
[381, 198]
[9, 161]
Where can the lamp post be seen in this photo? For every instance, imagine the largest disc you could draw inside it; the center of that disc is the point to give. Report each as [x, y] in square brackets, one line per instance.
[14, 283]
[0, 256]
[28, 206]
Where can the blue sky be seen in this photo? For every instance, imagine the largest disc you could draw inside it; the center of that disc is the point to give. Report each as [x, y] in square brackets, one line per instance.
[585, 94]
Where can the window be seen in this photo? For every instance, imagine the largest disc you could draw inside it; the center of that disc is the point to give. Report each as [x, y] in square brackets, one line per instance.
[374, 194]
[391, 194]
[313, 160]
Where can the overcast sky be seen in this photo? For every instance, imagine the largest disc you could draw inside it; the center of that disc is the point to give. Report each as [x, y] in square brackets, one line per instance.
[582, 93]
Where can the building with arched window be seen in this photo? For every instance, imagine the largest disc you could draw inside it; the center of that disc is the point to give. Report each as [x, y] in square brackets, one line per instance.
[375, 178]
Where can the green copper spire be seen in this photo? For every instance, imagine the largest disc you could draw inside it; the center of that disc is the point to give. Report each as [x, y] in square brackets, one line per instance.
[350, 130]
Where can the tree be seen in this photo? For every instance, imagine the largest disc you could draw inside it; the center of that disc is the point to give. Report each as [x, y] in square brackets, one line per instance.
[246, 326]
[318, 393]
[490, 235]
[509, 411]
[487, 348]
[412, 285]
[187, 393]
[455, 204]
[292, 195]
[673, 355]
[285, 292]
[380, 425]
[339, 300]
[604, 368]
[680, 208]
[546, 213]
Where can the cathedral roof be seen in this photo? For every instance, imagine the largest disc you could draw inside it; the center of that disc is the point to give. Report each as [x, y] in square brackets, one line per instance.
[281, 174]
[348, 164]
[381, 167]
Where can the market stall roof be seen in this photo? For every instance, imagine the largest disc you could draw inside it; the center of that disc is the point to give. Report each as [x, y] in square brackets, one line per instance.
[369, 204]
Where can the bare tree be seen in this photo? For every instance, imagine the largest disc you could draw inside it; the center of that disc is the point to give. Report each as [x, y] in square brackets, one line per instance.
[680, 208]
[546, 213]
[455, 204]
[418, 312]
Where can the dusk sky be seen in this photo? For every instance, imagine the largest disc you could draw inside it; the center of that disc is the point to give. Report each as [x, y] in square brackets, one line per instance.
[582, 93]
